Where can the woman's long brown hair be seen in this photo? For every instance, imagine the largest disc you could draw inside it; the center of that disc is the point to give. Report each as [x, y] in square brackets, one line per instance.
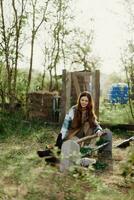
[91, 117]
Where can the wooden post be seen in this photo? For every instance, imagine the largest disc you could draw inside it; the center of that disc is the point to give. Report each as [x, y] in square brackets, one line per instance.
[96, 90]
[76, 84]
[87, 81]
[66, 92]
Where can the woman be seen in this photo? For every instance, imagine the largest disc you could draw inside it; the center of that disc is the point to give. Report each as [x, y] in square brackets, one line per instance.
[80, 121]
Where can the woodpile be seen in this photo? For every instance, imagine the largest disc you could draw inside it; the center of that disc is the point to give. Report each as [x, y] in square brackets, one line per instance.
[40, 105]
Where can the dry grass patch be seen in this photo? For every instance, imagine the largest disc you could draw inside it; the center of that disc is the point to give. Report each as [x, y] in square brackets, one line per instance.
[27, 177]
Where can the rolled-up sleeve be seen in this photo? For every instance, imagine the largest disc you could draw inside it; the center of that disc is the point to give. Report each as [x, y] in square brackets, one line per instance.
[67, 123]
[96, 127]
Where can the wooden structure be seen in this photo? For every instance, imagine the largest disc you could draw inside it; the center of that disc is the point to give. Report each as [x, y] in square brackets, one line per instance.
[52, 107]
[76, 82]
[41, 104]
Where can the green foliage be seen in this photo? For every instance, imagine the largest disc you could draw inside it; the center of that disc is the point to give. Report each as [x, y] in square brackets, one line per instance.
[36, 83]
[9, 123]
[3, 82]
[81, 48]
[86, 150]
[128, 65]
[21, 84]
[100, 165]
[101, 141]
[115, 114]
[16, 124]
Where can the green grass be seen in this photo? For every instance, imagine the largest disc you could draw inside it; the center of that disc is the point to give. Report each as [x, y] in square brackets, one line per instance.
[115, 114]
[25, 176]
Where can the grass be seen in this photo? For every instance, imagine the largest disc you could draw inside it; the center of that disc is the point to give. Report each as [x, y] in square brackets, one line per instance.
[25, 176]
[115, 114]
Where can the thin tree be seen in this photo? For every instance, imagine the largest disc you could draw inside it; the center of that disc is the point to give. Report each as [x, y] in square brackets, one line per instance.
[128, 56]
[19, 22]
[128, 63]
[11, 31]
[5, 41]
[82, 50]
[35, 29]
[58, 30]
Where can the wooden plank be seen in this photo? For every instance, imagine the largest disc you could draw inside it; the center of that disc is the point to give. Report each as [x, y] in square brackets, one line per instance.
[86, 76]
[96, 91]
[76, 84]
[84, 73]
[86, 82]
[93, 85]
[68, 91]
[65, 96]
[129, 127]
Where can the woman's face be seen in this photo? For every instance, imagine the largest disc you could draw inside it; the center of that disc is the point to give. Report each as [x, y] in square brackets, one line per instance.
[84, 101]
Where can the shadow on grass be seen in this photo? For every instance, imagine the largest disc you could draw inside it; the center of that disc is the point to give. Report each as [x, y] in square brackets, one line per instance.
[122, 133]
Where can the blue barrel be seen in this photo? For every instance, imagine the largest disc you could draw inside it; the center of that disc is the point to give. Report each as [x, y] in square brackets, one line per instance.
[118, 93]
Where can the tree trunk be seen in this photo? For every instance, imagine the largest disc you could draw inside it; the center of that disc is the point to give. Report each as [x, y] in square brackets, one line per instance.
[6, 51]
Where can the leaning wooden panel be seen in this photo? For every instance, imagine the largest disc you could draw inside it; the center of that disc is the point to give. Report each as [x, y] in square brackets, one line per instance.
[65, 95]
[76, 84]
[97, 92]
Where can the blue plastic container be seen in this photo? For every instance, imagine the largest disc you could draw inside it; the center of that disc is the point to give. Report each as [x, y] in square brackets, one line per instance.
[118, 93]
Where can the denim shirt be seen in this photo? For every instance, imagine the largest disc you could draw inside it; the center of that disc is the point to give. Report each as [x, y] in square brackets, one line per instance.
[68, 120]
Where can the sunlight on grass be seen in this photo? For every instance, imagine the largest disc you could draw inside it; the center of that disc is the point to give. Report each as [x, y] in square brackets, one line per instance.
[115, 114]
[25, 176]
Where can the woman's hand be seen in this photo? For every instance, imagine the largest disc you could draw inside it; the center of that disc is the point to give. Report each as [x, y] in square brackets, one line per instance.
[99, 133]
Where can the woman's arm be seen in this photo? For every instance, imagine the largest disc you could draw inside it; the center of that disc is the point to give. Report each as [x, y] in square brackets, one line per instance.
[97, 128]
[67, 123]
